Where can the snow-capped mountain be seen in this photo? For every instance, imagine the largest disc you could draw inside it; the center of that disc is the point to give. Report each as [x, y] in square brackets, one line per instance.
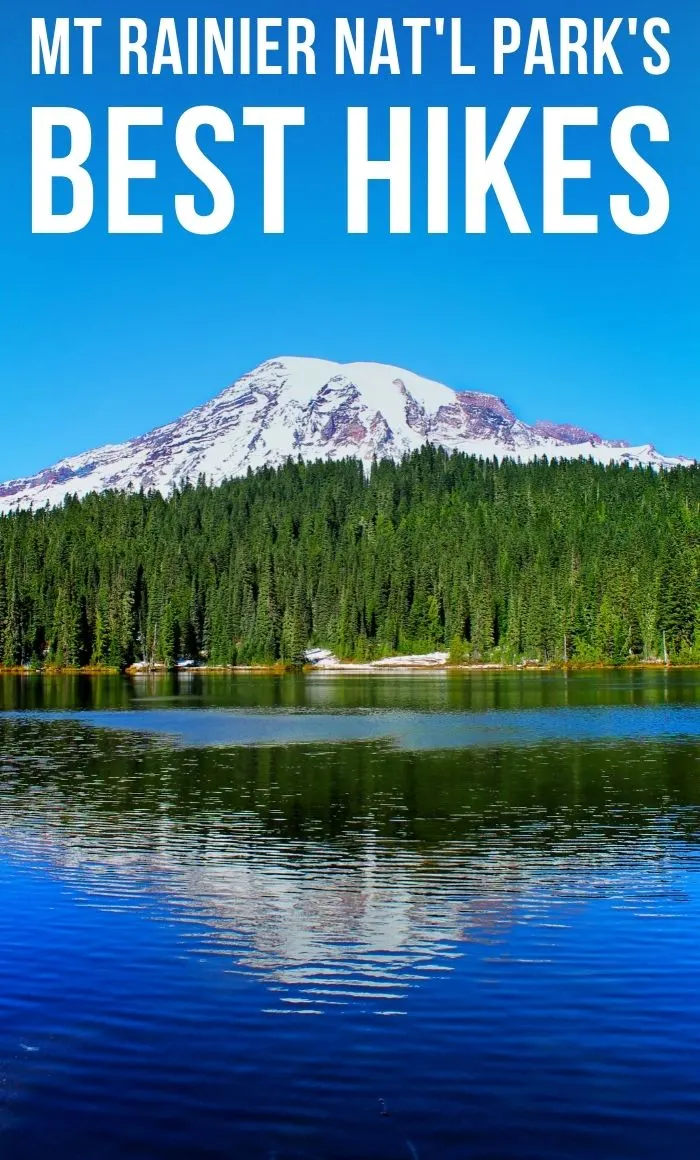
[315, 409]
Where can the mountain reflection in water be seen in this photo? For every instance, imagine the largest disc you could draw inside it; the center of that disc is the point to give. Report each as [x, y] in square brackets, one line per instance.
[343, 872]
[525, 908]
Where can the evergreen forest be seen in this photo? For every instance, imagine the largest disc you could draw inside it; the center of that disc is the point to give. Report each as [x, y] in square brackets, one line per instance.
[547, 561]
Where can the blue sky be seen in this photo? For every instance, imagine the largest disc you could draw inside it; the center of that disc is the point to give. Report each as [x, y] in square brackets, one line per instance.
[105, 336]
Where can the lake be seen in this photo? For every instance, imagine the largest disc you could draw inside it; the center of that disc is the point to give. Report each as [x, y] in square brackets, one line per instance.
[433, 915]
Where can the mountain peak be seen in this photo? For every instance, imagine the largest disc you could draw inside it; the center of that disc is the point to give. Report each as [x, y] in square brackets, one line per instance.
[291, 406]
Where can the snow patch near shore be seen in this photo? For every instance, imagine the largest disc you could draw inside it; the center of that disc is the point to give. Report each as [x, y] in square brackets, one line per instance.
[325, 659]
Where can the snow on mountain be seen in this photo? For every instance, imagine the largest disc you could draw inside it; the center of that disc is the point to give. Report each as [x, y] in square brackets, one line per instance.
[291, 407]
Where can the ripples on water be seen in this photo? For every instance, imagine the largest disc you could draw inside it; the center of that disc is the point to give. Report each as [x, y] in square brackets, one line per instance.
[236, 916]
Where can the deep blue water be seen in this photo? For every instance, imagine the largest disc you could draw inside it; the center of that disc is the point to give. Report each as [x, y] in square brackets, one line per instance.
[248, 916]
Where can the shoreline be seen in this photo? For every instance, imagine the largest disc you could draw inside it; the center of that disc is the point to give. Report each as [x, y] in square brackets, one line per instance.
[344, 668]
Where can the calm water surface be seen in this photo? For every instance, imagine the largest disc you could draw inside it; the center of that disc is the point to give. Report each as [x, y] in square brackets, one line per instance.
[423, 916]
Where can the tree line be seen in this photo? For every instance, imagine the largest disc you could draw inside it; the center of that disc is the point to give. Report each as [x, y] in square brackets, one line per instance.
[549, 561]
